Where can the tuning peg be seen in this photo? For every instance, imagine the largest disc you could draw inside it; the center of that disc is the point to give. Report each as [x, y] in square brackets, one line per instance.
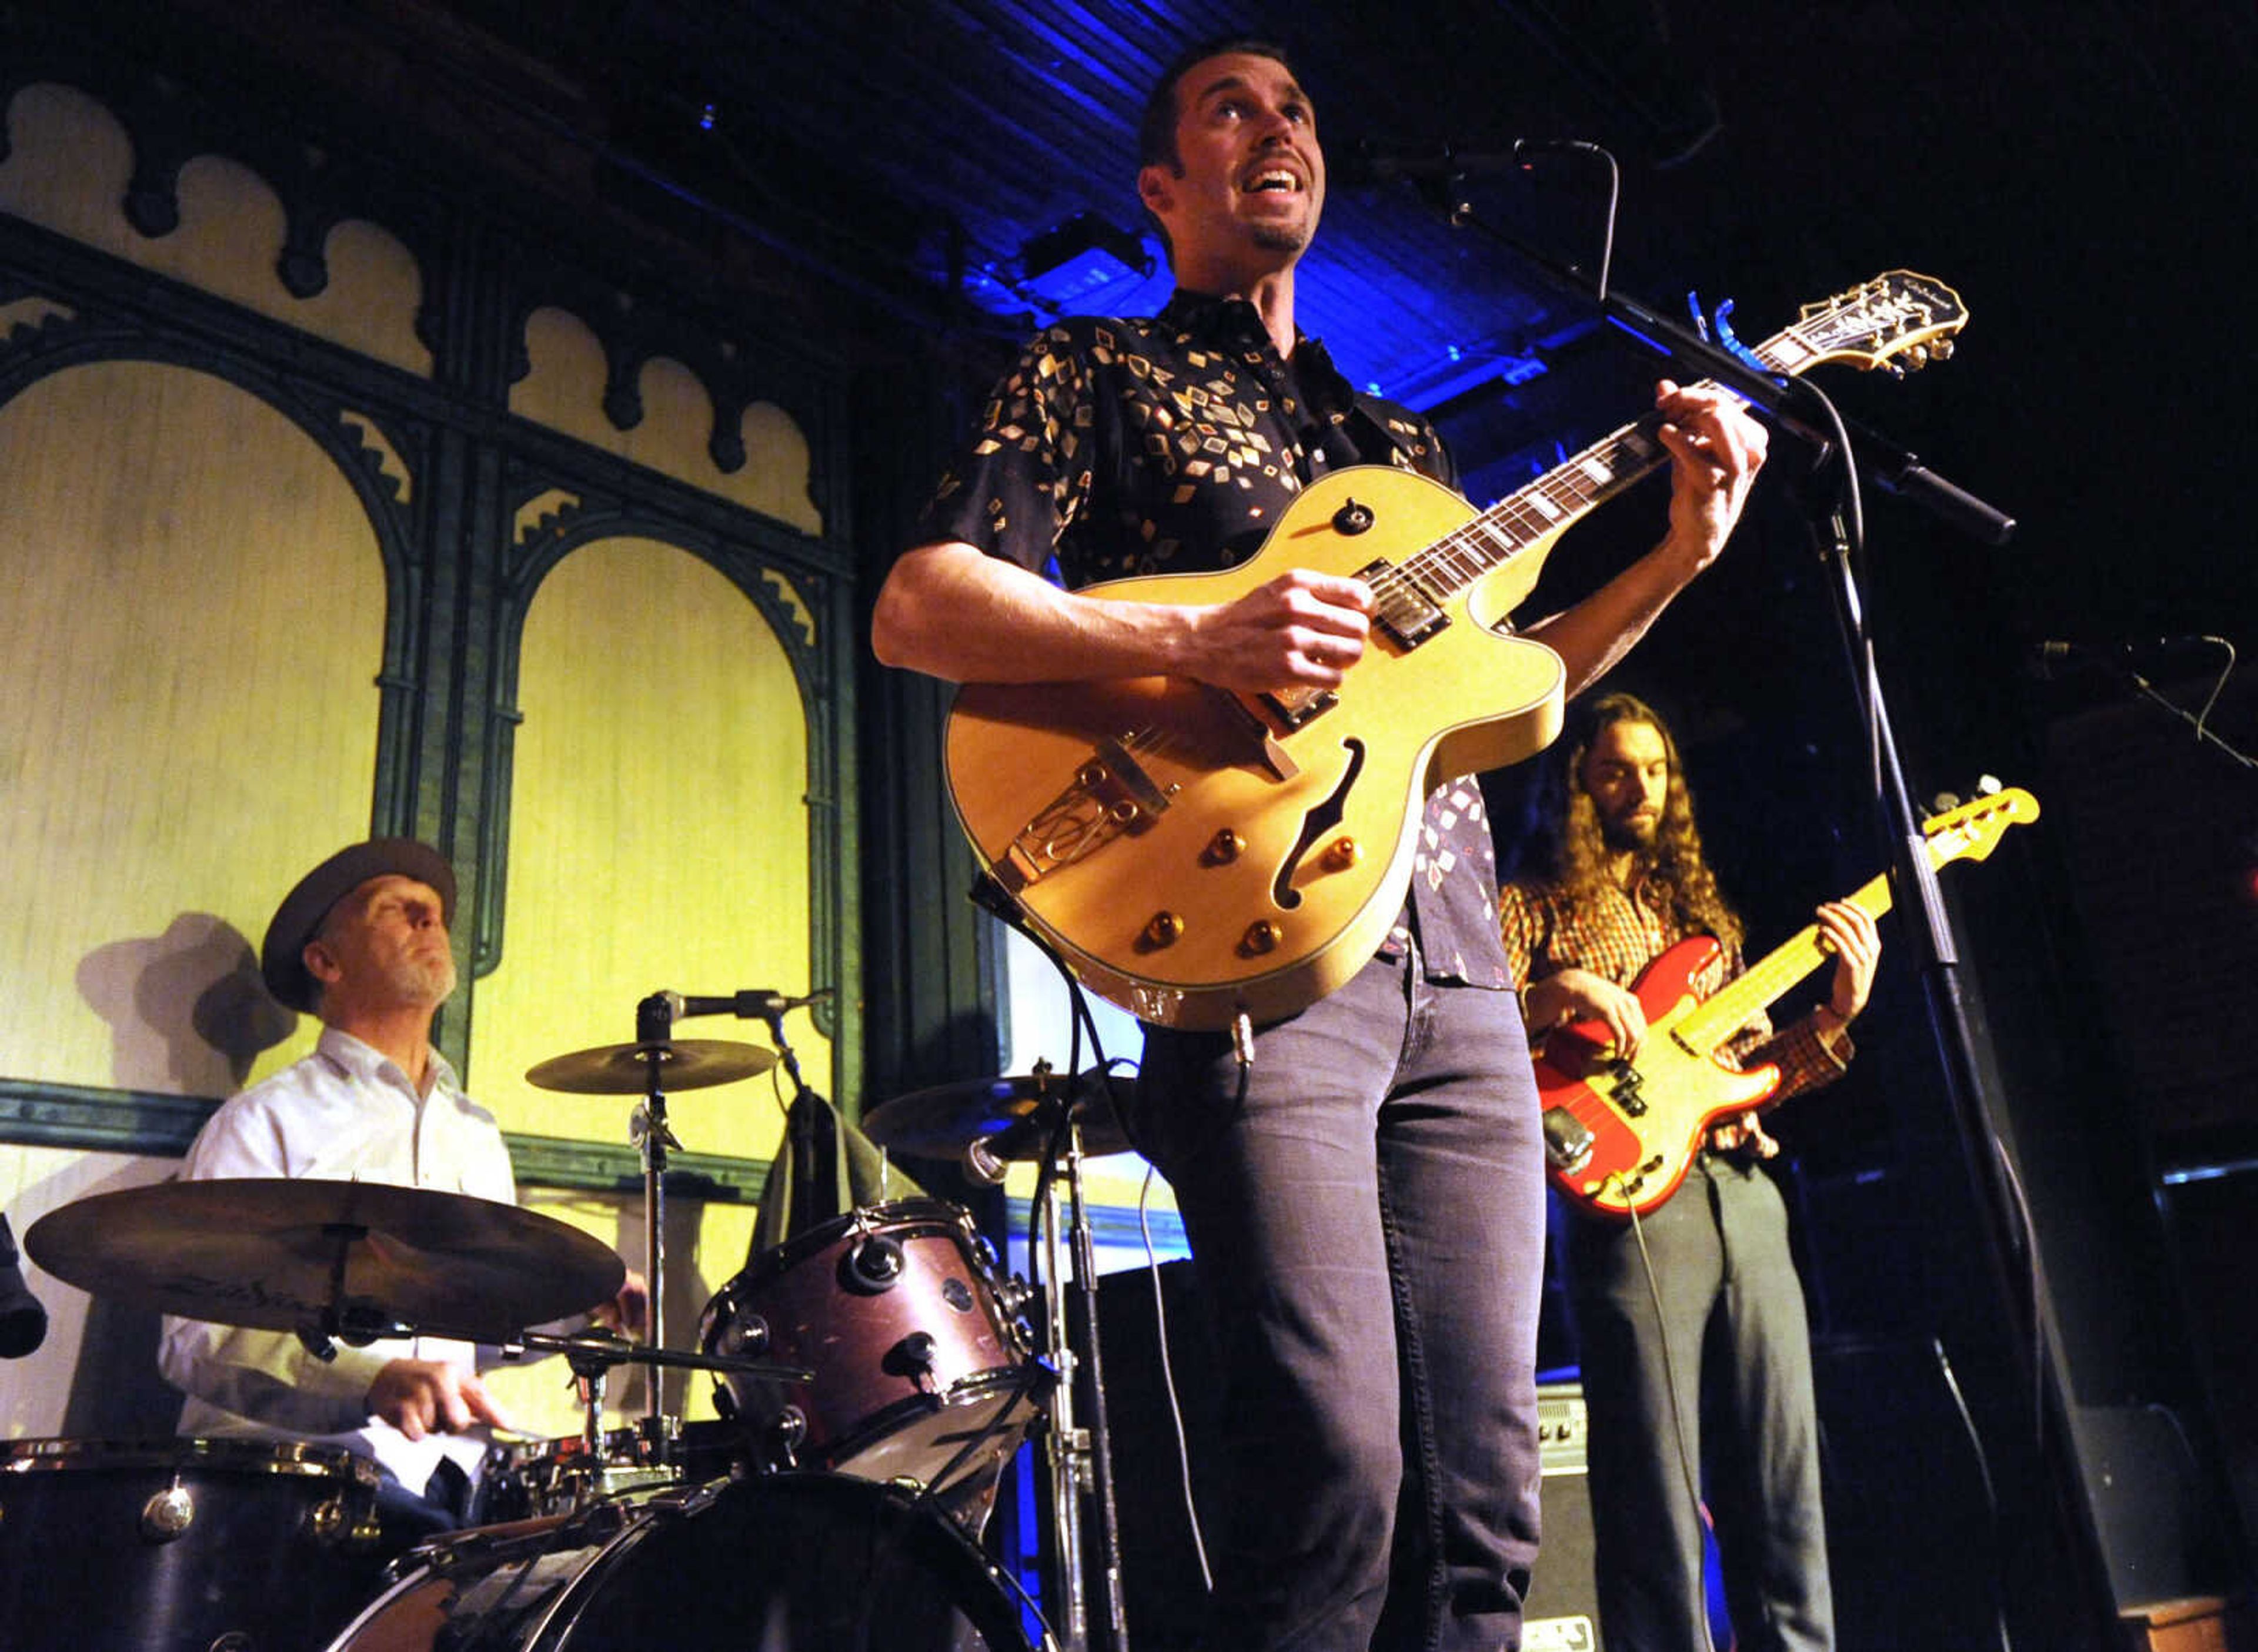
[1893, 370]
[1915, 359]
[1941, 349]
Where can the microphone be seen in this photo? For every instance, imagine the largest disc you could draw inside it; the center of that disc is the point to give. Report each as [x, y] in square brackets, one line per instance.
[2055, 657]
[755, 1003]
[1369, 163]
[981, 1164]
[23, 1321]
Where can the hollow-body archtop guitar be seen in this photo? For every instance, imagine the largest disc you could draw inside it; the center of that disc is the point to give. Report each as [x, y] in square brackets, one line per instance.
[1194, 855]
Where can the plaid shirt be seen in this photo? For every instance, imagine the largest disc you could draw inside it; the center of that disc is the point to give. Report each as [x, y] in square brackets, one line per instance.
[1616, 936]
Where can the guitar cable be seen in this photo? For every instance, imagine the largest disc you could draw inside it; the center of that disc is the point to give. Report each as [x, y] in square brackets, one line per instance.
[1669, 1382]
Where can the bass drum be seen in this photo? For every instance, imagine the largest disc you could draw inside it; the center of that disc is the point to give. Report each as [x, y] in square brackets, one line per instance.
[782, 1562]
[159, 1545]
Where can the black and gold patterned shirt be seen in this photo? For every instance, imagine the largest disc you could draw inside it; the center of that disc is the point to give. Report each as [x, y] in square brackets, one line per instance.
[1172, 445]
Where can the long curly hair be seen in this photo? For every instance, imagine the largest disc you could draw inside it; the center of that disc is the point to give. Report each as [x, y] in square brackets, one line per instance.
[1674, 874]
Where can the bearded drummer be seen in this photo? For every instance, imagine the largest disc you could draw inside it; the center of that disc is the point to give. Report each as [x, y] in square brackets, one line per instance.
[362, 943]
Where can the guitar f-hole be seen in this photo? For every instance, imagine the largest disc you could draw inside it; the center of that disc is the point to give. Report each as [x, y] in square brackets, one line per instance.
[1314, 825]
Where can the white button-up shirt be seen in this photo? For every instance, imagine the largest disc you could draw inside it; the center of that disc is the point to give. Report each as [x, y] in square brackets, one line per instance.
[345, 1113]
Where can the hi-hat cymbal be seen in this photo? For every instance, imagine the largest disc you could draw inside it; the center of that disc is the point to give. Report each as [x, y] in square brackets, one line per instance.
[261, 1251]
[624, 1069]
[1007, 1115]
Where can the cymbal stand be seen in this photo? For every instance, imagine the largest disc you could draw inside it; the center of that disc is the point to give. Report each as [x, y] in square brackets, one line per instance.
[1080, 1460]
[654, 1031]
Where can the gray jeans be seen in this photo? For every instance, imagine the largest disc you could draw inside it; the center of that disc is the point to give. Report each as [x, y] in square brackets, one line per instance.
[1368, 1225]
[1739, 1342]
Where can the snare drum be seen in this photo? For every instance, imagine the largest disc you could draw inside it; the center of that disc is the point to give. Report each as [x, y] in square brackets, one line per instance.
[786, 1563]
[528, 1480]
[896, 1310]
[158, 1545]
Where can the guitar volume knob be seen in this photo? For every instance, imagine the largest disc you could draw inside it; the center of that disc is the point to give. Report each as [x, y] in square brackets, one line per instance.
[1262, 936]
[1223, 848]
[1342, 854]
[1164, 929]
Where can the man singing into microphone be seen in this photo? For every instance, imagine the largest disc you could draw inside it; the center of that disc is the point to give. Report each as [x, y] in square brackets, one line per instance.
[1365, 1200]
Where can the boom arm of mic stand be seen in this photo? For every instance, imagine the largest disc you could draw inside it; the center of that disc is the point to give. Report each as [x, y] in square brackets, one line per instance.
[1892, 469]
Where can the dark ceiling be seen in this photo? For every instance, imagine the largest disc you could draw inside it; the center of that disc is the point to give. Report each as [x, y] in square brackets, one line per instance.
[2080, 172]
[947, 136]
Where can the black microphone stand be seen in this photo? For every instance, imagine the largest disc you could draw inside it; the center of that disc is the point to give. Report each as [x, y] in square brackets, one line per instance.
[655, 1036]
[1889, 468]
[1902, 473]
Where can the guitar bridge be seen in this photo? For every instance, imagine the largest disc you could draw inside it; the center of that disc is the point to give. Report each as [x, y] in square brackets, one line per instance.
[1110, 794]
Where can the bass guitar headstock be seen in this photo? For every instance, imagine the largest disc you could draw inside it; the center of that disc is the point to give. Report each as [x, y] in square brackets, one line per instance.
[1972, 830]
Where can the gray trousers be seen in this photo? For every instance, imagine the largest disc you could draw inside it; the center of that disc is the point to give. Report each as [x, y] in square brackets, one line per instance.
[1369, 1224]
[1739, 1343]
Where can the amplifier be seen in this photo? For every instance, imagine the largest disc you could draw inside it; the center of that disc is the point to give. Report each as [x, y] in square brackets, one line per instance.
[1562, 1613]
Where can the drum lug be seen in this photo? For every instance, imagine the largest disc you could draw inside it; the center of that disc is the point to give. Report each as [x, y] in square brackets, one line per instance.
[876, 1262]
[915, 1357]
[328, 1519]
[784, 1436]
[168, 1514]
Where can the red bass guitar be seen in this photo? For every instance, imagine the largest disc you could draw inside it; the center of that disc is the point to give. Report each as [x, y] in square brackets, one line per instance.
[1619, 1135]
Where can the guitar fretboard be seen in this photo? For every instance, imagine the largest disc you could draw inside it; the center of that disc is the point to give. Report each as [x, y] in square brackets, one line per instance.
[1534, 513]
[1900, 306]
[1725, 1013]
[1970, 830]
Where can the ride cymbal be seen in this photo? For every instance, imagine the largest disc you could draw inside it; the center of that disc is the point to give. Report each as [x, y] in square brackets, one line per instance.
[265, 1251]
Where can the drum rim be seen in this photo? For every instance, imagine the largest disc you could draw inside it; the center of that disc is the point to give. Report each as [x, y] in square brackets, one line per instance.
[889, 1216]
[294, 1458]
[895, 1418]
[606, 1553]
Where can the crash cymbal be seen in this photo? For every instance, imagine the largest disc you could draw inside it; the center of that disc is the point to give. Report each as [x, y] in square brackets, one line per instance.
[1002, 1115]
[261, 1250]
[624, 1069]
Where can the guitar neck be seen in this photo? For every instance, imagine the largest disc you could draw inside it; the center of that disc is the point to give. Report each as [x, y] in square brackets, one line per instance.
[1535, 515]
[1963, 833]
[1718, 1017]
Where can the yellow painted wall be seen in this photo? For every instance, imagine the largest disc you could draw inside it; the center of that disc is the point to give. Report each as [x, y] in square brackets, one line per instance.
[196, 601]
[657, 837]
[68, 169]
[195, 606]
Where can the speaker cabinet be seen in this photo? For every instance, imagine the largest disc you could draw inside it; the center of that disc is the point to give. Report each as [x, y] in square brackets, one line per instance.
[1163, 1593]
[1161, 1587]
[1562, 1613]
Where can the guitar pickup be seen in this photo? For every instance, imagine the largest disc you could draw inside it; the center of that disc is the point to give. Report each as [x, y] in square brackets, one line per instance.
[1297, 708]
[1406, 611]
[1624, 1092]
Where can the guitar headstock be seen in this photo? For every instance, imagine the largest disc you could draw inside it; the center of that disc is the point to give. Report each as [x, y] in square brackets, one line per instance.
[1973, 829]
[1896, 322]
